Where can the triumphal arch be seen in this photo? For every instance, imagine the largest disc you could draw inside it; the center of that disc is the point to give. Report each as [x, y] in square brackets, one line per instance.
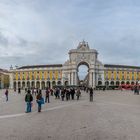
[82, 55]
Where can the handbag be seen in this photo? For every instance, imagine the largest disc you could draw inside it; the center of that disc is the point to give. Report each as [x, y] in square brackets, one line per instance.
[42, 101]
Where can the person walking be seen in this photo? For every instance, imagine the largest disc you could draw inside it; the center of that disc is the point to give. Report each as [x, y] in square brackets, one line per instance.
[6, 94]
[28, 100]
[91, 94]
[39, 100]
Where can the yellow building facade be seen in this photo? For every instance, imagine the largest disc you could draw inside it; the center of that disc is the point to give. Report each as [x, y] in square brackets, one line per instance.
[39, 76]
[4, 79]
[120, 74]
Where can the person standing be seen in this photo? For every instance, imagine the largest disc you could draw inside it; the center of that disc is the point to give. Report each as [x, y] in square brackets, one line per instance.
[51, 90]
[15, 89]
[19, 90]
[6, 94]
[47, 99]
[78, 93]
[62, 94]
[72, 93]
[39, 100]
[28, 100]
[91, 94]
[67, 95]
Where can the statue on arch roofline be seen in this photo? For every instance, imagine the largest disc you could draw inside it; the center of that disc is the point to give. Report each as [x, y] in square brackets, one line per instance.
[83, 45]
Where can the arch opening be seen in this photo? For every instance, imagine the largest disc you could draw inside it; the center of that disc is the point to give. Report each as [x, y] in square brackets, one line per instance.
[83, 74]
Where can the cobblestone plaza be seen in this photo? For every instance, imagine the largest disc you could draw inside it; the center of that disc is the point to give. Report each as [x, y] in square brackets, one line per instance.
[113, 115]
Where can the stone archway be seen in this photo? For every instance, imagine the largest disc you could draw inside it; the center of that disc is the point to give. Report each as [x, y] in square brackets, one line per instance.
[53, 83]
[15, 85]
[117, 83]
[59, 83]
[127, 82]
[33, 84]
[19, 84]
[66, 83]
[48, 84]
[23, 84]
[122, 82]
[107, 83]
[99, 83]
[82, 55]
[132, 83]
[112, 83]
[38, 84]
[43, 85]
[28, 84]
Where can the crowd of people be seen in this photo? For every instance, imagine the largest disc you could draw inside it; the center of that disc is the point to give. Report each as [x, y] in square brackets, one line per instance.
[64, 94]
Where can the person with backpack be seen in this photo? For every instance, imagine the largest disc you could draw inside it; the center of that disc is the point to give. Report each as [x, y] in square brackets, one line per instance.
[28, 100]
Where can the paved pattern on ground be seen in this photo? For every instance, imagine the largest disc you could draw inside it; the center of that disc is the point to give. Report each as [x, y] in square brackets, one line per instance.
[113, 115]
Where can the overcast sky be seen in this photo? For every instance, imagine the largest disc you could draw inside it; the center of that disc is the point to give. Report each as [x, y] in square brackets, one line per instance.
[43, 31]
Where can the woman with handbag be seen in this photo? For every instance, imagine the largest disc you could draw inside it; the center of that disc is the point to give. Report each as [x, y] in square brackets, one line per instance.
[39, 100]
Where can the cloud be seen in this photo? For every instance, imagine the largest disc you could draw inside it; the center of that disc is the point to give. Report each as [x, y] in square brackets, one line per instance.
[42, 32]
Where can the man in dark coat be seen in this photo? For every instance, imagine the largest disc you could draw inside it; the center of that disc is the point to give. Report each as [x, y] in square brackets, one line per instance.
[91, 94]
[28, 100]
[6, 94]
[47, 99]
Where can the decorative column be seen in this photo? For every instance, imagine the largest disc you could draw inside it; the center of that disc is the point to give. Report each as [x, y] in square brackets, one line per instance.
[51, 84]
[103, 78]
[62, 79]
[40, 84]
[25, 84]
[2, 81]
[45, 84]
[35, 83]
[72, 78]
[20, 83]
[92, 79]
[75, 78]
[11, 81]
[16, 84]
